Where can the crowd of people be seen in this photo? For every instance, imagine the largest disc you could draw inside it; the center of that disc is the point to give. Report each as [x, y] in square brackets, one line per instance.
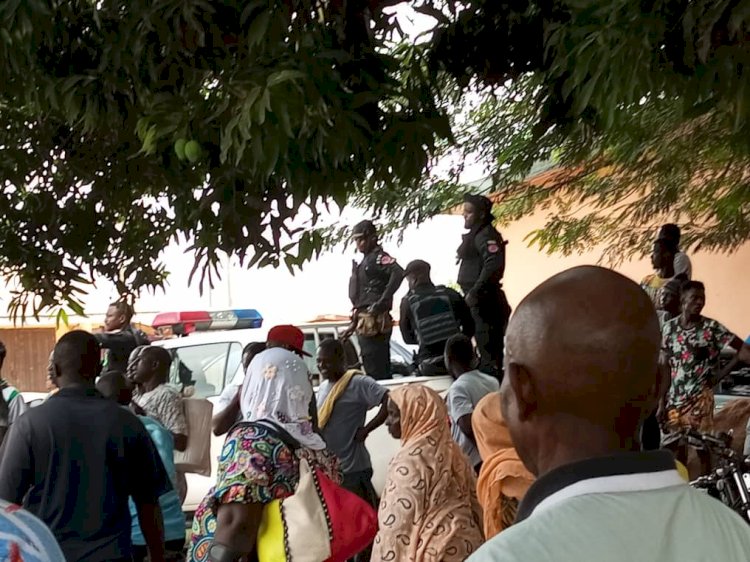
[545, 447]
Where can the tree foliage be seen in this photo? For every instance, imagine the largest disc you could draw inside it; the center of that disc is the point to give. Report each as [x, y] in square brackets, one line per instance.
[294, 103]
[641, 106]
[290, 101]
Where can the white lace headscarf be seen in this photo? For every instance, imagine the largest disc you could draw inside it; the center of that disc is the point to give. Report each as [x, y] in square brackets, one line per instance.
[277, 388]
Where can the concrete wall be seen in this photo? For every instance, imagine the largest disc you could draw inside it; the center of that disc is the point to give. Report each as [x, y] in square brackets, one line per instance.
[725, 275]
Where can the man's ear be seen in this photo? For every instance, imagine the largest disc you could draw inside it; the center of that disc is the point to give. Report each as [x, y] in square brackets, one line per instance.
[524, 390]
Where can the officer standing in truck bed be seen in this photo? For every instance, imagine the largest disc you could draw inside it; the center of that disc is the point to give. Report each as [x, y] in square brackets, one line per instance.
[373, 283]
[482, 265]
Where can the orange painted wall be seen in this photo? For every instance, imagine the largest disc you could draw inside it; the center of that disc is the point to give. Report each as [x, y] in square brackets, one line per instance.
[727, 276]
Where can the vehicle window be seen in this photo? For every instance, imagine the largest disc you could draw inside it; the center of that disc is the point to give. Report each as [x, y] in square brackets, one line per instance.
[310, 346]
[233, 362]
[202, 366]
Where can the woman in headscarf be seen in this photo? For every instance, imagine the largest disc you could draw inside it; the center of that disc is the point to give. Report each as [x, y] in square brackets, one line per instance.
[260, 459]
[429, 510]
[503, 479]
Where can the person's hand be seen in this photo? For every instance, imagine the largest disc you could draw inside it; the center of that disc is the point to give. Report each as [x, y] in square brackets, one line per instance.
[349, 332]
[361, 435]
[471, 299]
[378, 308]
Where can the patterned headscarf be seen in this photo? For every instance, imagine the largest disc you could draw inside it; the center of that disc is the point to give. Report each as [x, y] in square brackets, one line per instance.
[277, 388]
[429, 509]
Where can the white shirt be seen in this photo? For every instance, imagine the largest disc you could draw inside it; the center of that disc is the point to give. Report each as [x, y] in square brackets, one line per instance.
[643, 517]
[682, 264]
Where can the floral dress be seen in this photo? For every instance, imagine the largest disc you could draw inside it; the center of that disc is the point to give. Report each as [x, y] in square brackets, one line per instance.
[693, 355]
[255, 466]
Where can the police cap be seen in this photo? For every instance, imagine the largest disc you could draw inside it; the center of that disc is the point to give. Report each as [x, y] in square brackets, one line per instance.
[364, 229]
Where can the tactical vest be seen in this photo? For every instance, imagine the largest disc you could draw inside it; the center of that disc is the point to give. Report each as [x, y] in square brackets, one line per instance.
[434, 319]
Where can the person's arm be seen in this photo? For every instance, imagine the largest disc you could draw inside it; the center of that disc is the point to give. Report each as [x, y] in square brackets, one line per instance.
[16, 463]
[460, 409]
[464, 424]
[180, 441]
[148, 481]
[463, 314]
[664, 382]
[108, 340]
[396, 277]
[4, 417]
[376, 422]
[743, 350]
[152, 526]
[405, 324]
[227, 417]
[492, 252]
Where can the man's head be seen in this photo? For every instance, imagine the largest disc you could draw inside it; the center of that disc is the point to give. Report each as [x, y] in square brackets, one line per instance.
[580, 368]
[365, 236]
[76, 359]
[331, 359]
[693, 298]
[118, 316]
[670, 295]
[460, 357]
[115, 386]
[417, 273]
[477, 211]
[670, 232]
[153, 366]
[132, 367]
[250, 351]
[662, 255]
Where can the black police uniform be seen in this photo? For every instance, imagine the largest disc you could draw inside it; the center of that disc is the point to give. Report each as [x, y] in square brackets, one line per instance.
[371, 288]
[119, 346]
[482, 265]
[430, 316]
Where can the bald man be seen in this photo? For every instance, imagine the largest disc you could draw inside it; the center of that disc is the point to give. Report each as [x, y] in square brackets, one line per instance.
[581, 376]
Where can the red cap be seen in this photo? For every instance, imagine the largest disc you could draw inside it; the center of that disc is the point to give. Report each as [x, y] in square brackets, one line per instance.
[290, 336]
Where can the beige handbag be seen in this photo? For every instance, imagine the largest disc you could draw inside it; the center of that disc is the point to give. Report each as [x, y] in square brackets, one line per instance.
[302, 511]
[197, 457]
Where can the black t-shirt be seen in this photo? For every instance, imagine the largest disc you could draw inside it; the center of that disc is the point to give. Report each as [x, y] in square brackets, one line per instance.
[119, 346]
[73, 462]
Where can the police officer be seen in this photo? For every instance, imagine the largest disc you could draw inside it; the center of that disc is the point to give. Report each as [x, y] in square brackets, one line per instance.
[430, 316]
[373, 283]
[482, 265]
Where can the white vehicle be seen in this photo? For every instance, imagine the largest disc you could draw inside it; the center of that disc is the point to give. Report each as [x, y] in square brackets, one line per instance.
[210, 358]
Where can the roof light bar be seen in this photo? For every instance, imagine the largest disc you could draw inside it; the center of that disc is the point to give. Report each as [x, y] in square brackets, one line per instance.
[186, 322]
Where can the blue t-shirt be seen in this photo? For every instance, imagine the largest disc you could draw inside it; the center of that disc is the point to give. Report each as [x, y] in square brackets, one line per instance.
[24, 537]
[171, 510]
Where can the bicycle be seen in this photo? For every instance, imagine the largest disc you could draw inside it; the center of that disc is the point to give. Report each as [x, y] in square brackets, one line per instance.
[729, 478]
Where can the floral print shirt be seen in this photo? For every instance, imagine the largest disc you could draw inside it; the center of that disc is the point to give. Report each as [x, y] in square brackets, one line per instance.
[693, 355]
